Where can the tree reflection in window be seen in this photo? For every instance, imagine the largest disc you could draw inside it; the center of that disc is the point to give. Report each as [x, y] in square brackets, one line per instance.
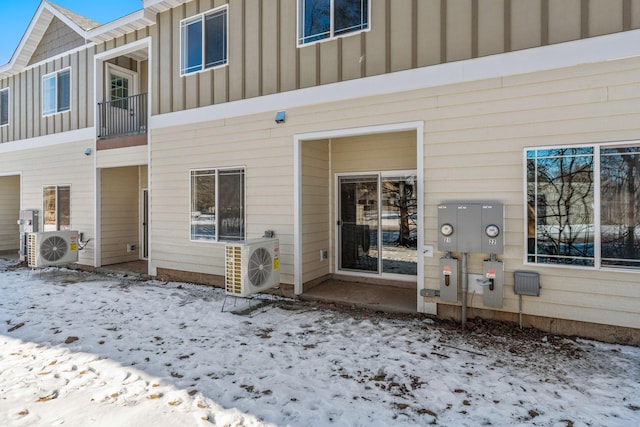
[321, 19]
[561, 195]
[620, 206]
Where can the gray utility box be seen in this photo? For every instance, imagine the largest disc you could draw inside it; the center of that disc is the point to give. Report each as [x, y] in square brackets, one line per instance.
[493, 283]
[526, 283]
[449, 279]
[471, 227]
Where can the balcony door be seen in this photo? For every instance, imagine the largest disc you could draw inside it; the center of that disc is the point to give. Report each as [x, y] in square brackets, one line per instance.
[121, 113]
[377, 223]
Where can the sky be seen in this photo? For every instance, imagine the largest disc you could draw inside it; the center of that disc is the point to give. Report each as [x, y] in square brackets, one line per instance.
[87, 349]
[15, 16]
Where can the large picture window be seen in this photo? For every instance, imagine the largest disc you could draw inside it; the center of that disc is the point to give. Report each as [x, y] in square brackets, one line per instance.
[56, 92]
[322, 19]
[583, 206]
[4, 106]
[217, 204]
[57, 207]
[203, 41]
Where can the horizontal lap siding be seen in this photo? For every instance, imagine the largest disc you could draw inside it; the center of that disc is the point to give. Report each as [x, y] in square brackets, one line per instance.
[474, 145]
[62, 164]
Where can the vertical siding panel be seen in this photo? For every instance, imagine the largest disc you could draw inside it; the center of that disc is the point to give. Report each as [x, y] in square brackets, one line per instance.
[88, 115]
[24, 93]
[329, 62]
[525, 24]
[80, 81]
[14, 98]
[155, 90]
[165, 65]
[179, 83]
[307, 65]
[37, 96]
[62, 124]
[564, 20]
[458, 30]
[605, 16]
[220, 88]
[376, 40]
[270, 46]
[82, 87]
[190, 82]
[428, 32]
[236, 50]
[635, 13]
[252, 53]
[401, 34]
[287, 22]
[28, 100]
[490, 27]
[352, 57]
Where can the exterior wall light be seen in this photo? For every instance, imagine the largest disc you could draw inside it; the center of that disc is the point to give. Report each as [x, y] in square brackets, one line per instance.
[280, 116]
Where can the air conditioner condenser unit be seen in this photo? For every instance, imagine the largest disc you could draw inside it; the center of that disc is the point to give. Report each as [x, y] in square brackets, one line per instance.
[252, 266]
[49, 248]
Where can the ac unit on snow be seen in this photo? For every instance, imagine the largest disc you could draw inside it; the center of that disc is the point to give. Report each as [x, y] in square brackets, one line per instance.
[251, 266]
[52, 248]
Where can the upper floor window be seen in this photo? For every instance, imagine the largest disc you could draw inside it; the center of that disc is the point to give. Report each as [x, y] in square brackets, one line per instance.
[322, 19]
[57, 207]
[56, 92]
[217, 204]
[583, 206]
[203, 41]
[4, 106]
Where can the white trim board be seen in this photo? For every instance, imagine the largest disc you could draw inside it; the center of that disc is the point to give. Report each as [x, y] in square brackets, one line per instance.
[88, 134]
[591, 50]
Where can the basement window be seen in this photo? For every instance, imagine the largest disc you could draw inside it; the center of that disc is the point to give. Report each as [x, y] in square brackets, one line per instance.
[57, 207]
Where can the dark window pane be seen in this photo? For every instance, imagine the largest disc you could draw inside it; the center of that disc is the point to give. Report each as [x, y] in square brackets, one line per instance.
[4, 107]
[315, 16]
[203, 201]
[350, 15]
[64, 90]
[561, 196]
[64, 208]
[216, 39]
[620, 206]
[191, 46]
[231, 200]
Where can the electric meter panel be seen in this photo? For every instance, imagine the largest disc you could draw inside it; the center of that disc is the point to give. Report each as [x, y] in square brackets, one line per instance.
[471, 227]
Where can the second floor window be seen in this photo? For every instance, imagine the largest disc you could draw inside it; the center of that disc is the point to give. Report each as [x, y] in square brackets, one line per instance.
[322, 19]
[203, 41]
[56, 92]
[4, 106]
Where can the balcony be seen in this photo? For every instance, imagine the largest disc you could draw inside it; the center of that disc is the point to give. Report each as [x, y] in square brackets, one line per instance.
[123, 118]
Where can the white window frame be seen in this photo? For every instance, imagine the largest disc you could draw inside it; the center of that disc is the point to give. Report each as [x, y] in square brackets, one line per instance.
[56, 226]
[217, 171]
[55, 74]
[201, 17]
[300, 39]
[597, 206]
[4, 92]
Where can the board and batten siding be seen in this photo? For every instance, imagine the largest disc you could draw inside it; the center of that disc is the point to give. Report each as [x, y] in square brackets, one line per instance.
[9, 212]
[61, 164]
[263, 57]
[475, 136]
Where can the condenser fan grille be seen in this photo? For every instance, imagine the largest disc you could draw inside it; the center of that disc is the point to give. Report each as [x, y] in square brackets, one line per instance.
[53, 248]
[260, 266]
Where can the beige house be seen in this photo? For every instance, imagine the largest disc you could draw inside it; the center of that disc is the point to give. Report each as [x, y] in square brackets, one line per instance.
[166, 133]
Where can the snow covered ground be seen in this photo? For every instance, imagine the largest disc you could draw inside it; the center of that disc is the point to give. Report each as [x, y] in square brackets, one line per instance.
[81, 349]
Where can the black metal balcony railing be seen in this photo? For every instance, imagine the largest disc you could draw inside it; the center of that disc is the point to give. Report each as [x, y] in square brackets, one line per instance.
[123, 116]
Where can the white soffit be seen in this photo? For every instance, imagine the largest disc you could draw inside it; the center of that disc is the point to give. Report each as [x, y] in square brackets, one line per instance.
[159, 6]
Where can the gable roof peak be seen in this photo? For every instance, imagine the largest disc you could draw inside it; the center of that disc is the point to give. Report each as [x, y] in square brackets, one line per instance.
[81, 21]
